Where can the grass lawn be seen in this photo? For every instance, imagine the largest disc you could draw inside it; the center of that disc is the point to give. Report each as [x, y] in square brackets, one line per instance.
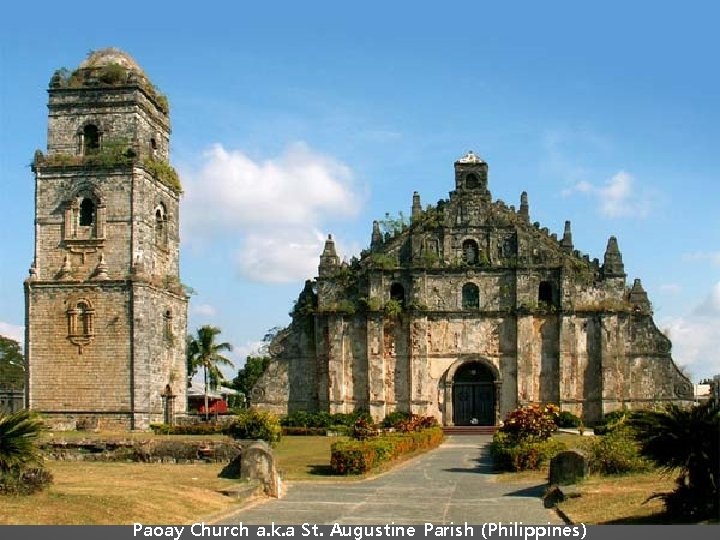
[606, 499]
[306, 458]
[122, 493]
[618, 499]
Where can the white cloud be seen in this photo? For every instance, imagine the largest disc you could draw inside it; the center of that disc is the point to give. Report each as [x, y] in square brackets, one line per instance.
[233, 189]
[275, 208]
[281, 255]
[671, 288]
[710, 307]
[204, 310]
[13, 331]
[712, 256]
[695, 337]
[617, 197]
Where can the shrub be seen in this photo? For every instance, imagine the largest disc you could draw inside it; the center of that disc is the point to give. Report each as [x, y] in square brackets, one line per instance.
[611, 421]
[532, 422]
[21, 469]
[164, 172]
[414, 422]
[512, 455]
[362, 429]
[688, 441]
[614, 453]
[393, 418]
[393, 308]
[189, 429]
[28, 481]
[304, 431]
[18, 435]
[566, 419]
[255, 424]
[323, 419]
[357, 457]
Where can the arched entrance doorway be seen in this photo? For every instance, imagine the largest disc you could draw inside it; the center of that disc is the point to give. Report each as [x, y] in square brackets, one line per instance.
[473, 395]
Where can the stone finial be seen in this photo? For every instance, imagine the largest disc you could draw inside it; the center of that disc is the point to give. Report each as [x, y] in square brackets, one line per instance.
[32, 272]
[566, 243]
[638, 297]
[524, 211]
[377, 237]
[329, 259]
[613, 265]
[101, 269]
[416, 208]
[66, 270]
[138, 266]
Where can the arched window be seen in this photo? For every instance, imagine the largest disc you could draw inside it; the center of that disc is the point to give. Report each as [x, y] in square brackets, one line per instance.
[397, 292]
[87, 213]
[470, 296]
[81, 323]
[90, 139]
[470, 252]
[161, 235]
[472, 181]
[545, 293]
[168, 319]
[85, 316]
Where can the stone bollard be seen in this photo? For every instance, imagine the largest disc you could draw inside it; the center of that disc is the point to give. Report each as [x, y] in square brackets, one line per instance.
[256, 462]
[568, 467]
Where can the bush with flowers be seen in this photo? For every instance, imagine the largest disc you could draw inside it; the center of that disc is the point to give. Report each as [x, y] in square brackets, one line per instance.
[371, 447]
[522, 443]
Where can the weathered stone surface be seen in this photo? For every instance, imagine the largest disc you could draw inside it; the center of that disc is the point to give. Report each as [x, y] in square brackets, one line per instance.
[568, 467]
[255, 462]
[106, 315]
[470, 286]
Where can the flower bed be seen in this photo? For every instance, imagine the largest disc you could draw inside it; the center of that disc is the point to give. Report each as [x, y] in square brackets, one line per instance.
[357, 457]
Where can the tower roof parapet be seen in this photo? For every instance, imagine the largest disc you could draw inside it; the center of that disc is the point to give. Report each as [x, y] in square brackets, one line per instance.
[470, 157]
[110, 56]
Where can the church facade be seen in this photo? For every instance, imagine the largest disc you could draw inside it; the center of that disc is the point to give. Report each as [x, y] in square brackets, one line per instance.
[105, 310]
[466, 312]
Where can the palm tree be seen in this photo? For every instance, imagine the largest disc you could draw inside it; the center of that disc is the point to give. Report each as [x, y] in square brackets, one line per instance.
[686, 440]
[18, 432]
[202, 350]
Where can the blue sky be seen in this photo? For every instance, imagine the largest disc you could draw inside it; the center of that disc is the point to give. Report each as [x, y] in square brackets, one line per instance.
[292, 120]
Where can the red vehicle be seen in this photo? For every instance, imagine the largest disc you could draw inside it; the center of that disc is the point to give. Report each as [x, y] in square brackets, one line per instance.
[215, 406]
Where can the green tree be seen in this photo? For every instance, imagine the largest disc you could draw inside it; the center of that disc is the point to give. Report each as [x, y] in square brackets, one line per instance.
[688, 441]
[18, 432]
[12, 375]
[247, 376]
[204, 351]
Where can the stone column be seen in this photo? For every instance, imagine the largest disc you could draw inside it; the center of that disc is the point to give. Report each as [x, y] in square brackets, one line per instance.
[571, 384]
[336, 364]
[528, 359]
[376, 365]
[419, 383]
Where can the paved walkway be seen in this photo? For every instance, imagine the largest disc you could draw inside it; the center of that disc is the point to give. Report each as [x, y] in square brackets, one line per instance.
[451, 484]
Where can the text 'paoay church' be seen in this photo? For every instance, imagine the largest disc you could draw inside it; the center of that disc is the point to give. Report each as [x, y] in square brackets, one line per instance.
[463, 314]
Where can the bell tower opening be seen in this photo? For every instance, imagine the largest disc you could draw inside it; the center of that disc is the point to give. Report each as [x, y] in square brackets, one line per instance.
[90, 139]
[87, 213]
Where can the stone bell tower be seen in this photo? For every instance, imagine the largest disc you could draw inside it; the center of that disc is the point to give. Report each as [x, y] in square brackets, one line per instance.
[106, 313]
